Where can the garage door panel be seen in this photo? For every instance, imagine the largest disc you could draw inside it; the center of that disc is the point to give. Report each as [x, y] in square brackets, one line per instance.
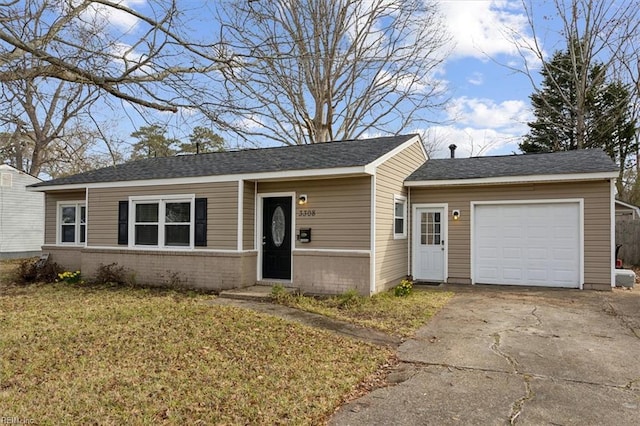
[512, 232]
[536, 254]
[488, 274]
[567, 254]
[527, 244]
[537, 275]
[563, 276]
[512, 274]
[510, 255]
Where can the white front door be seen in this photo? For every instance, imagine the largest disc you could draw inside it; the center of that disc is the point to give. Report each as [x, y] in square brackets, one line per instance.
[429, 231]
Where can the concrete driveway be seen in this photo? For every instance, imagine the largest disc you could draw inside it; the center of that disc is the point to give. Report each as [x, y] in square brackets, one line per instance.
[500, 355]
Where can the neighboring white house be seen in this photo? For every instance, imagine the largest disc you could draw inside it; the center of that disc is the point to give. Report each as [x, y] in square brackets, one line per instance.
[21, 215]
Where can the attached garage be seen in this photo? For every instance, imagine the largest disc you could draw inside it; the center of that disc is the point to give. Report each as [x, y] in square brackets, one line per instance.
[525, 243]
[526, 220]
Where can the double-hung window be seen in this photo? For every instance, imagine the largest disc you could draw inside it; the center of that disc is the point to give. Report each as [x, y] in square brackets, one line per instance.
[163, 222]
[72, 225]
[399, 217]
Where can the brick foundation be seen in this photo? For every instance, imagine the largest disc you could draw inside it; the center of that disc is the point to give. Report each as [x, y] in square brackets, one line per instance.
[192, 269]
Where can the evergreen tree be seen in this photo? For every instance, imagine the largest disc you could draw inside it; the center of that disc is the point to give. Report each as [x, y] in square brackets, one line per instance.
[601, 120]
[152, 142]
[556, 108]
[617, 129]
[202, 139]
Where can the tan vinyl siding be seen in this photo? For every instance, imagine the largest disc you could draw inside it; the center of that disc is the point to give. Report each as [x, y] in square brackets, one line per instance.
[51, 215]
[342, 211]
[222, 207]
[597, 221]
[248, 216]
[391, 255]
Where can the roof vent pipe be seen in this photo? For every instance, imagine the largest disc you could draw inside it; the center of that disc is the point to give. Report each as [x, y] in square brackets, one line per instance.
[452, 148]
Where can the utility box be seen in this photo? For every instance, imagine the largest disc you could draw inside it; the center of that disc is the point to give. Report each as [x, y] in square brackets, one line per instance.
[625, 278]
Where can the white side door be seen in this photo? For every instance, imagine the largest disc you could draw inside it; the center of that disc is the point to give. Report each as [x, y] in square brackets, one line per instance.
[429, 249]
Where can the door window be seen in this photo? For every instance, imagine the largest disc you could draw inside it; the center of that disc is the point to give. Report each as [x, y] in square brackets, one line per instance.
[430, 228]
[278, 226]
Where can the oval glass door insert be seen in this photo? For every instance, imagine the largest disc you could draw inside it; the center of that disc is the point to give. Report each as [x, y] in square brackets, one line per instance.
[278, 226]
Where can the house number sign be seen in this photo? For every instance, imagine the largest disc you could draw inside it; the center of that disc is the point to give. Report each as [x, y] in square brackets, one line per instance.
[306, 213]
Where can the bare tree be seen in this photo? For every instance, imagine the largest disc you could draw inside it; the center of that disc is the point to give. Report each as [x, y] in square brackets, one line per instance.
[627, 70]
[592, 32]
[45, 115]
[145, 60]
[318, 70]
[58, 58]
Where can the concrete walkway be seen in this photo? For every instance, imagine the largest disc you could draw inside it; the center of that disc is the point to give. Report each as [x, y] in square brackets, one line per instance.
[313, 320]
[496, 356]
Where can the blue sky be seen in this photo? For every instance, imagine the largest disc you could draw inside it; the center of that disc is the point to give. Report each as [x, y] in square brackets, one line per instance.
[489, 105]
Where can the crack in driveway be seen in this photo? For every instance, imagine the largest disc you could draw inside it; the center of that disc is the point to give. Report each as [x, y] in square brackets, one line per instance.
[519, 360]
[623, 320]
[517, 405]
[524, 375]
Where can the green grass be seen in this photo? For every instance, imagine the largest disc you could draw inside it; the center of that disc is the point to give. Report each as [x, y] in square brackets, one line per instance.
[82, 355]
[384, 311]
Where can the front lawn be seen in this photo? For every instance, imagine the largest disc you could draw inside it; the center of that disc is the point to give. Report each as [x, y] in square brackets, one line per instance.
[384, 311]
[86, 355]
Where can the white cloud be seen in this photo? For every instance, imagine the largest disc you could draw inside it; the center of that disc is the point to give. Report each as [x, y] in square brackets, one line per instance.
[480, 127]
[486, 113]
[107, 15]
[477, 79]
[470, 142]
[126, 57]
[483, 29]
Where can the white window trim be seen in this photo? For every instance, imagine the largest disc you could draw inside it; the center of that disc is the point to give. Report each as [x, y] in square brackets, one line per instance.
[400, 199]
[77, 204]
[161, 200]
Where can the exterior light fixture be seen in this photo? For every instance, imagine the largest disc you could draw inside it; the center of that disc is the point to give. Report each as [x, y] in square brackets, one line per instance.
[302, 199]
[456, 214]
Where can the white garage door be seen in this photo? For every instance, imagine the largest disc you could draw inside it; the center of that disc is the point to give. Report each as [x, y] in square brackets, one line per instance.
[527, 244]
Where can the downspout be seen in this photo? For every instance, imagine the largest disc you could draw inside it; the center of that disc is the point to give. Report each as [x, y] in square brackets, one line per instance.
[255, 215]
[240, 243]
[372, 255]
[409, 231]
[612, 218]
[86, 219]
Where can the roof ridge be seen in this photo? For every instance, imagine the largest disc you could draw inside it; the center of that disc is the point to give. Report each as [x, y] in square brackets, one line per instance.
[523, 154]
[583, 161]
[326, 155]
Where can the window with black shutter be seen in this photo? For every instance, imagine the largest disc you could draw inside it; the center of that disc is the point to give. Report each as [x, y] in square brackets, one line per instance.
[164, 222]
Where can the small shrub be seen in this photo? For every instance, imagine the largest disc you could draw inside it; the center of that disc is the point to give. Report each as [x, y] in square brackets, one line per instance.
[32, 270]
[70, 277]
[174, 280]
[349, 299]
[111, 274]
[403, 289]
[279, 294]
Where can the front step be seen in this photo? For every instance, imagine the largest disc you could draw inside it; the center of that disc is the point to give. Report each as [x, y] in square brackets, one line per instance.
[260, 293]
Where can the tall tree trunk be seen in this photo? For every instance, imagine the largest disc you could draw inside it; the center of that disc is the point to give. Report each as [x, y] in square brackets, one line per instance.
[36, 160]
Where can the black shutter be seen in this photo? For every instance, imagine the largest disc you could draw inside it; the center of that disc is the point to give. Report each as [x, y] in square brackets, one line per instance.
[123, 222]
[201, 222]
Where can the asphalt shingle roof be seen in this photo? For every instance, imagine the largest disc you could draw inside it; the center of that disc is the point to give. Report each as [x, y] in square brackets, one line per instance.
[581, 161]
[352, 153]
